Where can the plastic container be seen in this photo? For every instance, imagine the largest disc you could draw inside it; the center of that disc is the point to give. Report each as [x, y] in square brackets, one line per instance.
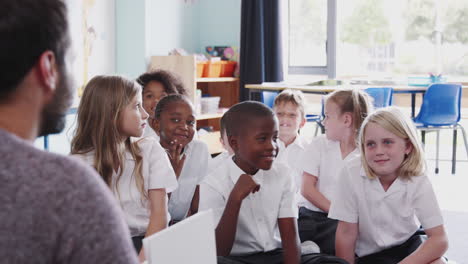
[212, 69]
[227, 68]
[198, 96]
[200, 68]
[210, 105]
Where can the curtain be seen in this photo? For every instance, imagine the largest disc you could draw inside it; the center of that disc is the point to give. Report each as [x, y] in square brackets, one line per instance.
[260, 49]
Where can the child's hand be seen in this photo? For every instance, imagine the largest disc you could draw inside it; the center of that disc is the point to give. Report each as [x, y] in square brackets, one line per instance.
[244, 186]
[176, 157]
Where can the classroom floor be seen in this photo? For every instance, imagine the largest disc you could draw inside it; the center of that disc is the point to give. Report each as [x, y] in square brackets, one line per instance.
[451, 189]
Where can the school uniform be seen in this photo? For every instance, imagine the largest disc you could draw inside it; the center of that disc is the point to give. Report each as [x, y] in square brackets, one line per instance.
[323, 159]
[257, 238]
[157, 173]
[149, 132]
[387, 220]
[292, 156]
[218, 160]
[193, 172]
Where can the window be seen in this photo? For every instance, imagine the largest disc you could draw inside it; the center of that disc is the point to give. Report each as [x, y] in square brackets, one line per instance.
[381, 37]
[309, 36]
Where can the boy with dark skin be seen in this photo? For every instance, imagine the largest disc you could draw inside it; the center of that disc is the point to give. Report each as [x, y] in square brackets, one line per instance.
[252, 196]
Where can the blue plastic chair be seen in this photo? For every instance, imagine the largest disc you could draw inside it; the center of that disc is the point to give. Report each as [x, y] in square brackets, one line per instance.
[268, 98]
[440, 109]
[382, 96]
[318, 120]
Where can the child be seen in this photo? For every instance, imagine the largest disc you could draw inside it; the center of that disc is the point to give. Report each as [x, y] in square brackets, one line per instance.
[139, 173]
[289, 108]
[344, 112]
[253, 197]
[382, 192]
[214, 163]
[175, 123]
[157, 84]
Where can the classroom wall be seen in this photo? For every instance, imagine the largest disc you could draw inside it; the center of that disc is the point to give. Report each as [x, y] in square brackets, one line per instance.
[219, 23]
[171, 24]
[155, 27]
[130, 37]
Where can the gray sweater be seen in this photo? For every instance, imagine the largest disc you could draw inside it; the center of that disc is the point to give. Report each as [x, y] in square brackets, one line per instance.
[53, 209]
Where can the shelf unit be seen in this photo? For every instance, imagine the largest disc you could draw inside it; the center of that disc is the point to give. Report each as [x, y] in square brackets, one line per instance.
[227, 88]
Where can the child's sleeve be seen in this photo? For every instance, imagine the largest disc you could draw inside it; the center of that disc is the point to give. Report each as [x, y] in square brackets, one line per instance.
[344, 206]
[161, 173]
[312, 156]
[426, 205]
[212, 199]
[288, 205]
[204, 158]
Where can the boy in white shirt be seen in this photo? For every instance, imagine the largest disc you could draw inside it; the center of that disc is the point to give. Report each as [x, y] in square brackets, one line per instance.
[289, 108]
[253, 197]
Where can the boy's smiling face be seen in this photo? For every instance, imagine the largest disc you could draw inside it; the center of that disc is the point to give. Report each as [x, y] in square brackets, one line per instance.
[290, 119]
[256, 147]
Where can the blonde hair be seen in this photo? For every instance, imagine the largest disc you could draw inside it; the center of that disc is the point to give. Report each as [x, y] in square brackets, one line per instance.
[294, 97]
[395, 122]
[354, 101]
[98, 119]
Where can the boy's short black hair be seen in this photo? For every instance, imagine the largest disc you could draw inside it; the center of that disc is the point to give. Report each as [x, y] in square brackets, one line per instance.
[239, 117]
[162, 104]
[27, 29]
[171, 83]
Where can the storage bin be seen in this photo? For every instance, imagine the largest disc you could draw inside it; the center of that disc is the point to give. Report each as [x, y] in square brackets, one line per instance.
[200, 67]
[227, 68]
[212, 69]
[210, 105]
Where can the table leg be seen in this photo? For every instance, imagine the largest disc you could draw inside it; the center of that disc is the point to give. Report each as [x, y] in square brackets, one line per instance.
[413, 104]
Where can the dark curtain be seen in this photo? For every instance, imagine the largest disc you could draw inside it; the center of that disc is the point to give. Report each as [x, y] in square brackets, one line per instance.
[260, 49]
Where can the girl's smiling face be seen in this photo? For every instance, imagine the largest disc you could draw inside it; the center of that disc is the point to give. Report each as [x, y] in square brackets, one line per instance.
[176, 124]
[152, 93]
[384, 151]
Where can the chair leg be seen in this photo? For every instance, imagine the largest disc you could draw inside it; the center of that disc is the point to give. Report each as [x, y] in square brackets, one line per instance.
[454, 150]
[437, 151]
[316, 129]
[322, 128]
[423, 139]
[464, 138]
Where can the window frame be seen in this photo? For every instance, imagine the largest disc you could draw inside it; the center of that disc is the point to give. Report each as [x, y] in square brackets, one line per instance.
[330, 68]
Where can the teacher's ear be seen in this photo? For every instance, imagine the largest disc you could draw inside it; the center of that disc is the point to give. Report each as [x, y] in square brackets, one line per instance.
[48, 73]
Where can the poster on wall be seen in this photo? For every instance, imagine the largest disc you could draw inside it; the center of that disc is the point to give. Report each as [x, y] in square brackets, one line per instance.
[92, 27]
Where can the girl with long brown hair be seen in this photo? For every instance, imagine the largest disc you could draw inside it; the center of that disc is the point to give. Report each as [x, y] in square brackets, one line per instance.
[138, 172]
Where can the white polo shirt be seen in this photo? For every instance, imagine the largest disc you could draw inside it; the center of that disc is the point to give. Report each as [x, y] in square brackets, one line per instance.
[194, 171]
[385, 219]
[149, 132]
[322, 158]
[218, 160]
[257, 226]
[157, 173]
[292, 156]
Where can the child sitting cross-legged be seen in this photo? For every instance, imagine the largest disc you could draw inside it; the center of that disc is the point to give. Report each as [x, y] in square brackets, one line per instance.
[252, 196]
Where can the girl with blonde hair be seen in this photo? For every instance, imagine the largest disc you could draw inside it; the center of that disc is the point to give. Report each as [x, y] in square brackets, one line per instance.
[382, 193]
[139, 173]
[323, 158]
